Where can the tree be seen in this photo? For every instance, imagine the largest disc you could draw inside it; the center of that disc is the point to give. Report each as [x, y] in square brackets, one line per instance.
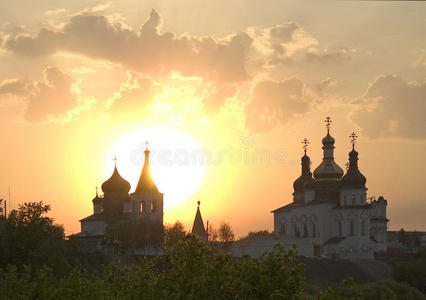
[213, 234]
[402, 237]
[29, 237]
[173, 234]
[225, 233]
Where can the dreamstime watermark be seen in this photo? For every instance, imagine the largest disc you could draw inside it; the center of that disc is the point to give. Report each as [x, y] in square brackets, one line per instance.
[245, 155]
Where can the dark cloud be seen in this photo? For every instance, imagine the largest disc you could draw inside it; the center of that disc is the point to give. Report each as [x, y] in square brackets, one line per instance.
[275, 103]
[148, 51]
[393, 107]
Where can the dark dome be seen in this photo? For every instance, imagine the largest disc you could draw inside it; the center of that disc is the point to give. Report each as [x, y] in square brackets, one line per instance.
[97, 200]
[328, 140]
[353, 178]
[116, 184]
[299, 183]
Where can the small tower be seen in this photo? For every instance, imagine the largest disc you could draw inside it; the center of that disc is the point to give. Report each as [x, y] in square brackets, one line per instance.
[198, 228]
[328, 173]
[303, 186]
[97, 204]
[147, 201]
[353, 190]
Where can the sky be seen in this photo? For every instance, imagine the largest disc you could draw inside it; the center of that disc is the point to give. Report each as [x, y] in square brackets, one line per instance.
[242, 82]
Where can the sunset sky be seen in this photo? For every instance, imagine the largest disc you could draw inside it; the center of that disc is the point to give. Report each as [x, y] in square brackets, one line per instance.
[84, 81]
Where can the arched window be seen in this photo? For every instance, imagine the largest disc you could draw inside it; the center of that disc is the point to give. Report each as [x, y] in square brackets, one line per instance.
[363, 227]
[314, 230]
[352, 227]
[305, 230]
[142, 207]
[282, 229]
[296, 231]
[152, 207]
[340, 229]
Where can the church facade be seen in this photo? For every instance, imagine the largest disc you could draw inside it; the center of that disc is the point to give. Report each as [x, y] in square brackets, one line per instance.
[330, 215]
[117, 213]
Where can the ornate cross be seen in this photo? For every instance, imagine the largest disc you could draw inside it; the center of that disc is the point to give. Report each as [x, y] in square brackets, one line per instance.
[353, 137]
[115, 160]
[328, 122]
[305, 143]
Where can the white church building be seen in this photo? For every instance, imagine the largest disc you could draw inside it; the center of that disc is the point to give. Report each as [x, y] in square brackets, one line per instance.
[330, 215]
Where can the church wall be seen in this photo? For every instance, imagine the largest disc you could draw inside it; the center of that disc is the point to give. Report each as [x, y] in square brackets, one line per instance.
[353, 196]
[93, 227]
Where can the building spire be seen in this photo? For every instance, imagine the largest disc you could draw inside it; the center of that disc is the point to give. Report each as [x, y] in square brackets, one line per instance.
[96, 191]
[198, 228]
[146, 182]
[115, 161]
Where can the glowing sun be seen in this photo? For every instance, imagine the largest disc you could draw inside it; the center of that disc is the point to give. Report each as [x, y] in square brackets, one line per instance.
[174, 173]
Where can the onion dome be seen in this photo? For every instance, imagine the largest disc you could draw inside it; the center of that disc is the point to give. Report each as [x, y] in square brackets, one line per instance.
[328, 170]
[146, 182]
[116, 184]
[306, 176]
[97, 199]
[353, 177]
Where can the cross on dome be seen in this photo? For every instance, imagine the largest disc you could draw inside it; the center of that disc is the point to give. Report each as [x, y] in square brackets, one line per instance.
[353, 137]
[115, 161]
[305, 143]
[328, 122]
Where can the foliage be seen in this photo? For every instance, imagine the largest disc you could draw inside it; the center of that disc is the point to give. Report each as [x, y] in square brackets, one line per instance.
[213, 233]
[387, 289]
[29, 237]
[225, 233]
[189, 270]
[254, 235]
[413, 271]
[173, 234]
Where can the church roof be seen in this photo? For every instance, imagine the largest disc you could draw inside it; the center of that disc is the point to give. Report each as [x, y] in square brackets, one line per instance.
[115, 183]
[198, 228]
[328, 170]
[353, 178]
[146, 182]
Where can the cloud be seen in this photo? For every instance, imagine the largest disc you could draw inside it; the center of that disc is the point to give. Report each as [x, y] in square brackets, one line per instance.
[216, 99]
[316, 56]
[325, 85]
[276, 102]
[134, 96]
[57, 98]
[393, 107]
[149, 51]
[14, 87]
[51, 98]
